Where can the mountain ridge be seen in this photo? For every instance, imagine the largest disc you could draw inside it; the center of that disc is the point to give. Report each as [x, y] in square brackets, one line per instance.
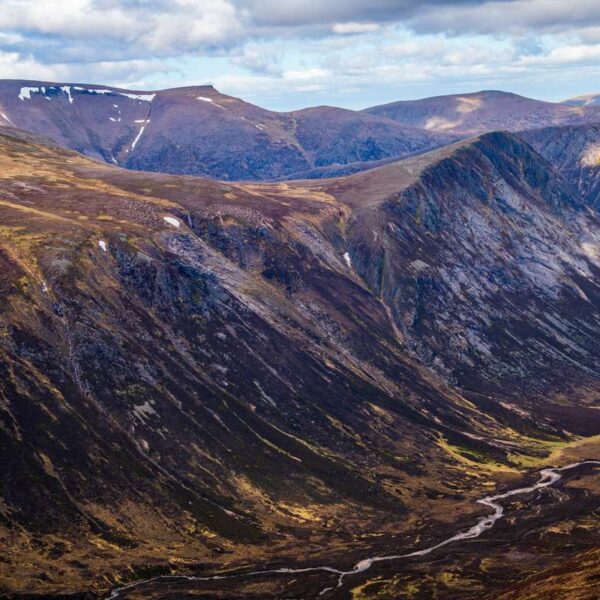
[479, 112]
[574, 150]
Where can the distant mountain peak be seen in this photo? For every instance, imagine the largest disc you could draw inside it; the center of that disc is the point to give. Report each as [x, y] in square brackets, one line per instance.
[197, 130]
[585, 100]
[487, 110]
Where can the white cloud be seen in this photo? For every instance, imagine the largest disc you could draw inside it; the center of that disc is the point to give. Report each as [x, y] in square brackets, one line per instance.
[505, 18]
[192, 25]
[121, 74]
[350, 28]
[566, 55]
[12, 66]
[79, 18]
[259, 59]
[160, 27]
[307, 74]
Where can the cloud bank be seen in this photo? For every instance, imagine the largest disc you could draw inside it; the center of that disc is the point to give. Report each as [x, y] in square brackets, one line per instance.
[295, 51]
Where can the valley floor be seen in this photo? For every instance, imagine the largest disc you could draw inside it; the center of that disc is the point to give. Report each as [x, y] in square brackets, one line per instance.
[544, 546]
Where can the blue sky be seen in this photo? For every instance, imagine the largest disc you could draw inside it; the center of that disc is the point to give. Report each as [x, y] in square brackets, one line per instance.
[287, 54]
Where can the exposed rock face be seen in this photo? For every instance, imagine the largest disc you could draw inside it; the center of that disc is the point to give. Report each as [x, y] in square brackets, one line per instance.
[489, 261]
[191, 365]
[198, 131]
[472, 114]
[575, 152]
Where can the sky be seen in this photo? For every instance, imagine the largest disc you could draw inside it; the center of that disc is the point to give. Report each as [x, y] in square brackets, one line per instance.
[289, 54]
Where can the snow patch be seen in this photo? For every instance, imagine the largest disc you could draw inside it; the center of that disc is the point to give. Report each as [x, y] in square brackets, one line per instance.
[137, 137]
[67, 90]
[141, 97]
[93, 90]
[7, 119]
[25, 92]
[209, 100]
[102, 245]
[348, 259]
[172, 221]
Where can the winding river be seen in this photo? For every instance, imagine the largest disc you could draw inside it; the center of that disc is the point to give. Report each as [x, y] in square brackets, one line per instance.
[548, 477]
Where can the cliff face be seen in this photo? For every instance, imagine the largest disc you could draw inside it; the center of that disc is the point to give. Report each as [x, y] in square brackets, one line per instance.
[488, 260]
[189, 368]
[575, 152]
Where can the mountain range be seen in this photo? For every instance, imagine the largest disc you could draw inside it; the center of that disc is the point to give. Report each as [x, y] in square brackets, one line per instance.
[206, 377]
[473, 114]
[199, 131]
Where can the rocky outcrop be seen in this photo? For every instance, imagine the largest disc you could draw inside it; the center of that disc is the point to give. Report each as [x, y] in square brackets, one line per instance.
[200, 375]
[575, 152]
[192, 369]
[488, 260]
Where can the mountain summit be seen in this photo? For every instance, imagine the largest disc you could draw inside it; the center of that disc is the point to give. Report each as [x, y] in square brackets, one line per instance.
[472, 114]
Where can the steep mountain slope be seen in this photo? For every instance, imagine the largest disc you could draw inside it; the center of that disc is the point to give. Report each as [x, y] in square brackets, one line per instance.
[489, 262]
[575, 152]
[336, 136]
[200, 376]
[198, 131]
[480, 112]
